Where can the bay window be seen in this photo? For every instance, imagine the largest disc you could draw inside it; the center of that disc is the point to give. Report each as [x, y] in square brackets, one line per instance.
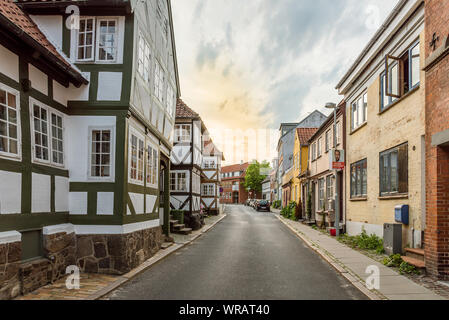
[208, 190]
[48, 138]
[178, 181]
[183, 133]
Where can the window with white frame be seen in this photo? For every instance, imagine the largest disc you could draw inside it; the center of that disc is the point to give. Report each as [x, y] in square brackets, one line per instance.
[86, 39]
[170, 101]
[107, 40]
[97, 40]
[328, 137]
[208, 190]
[9, 122]
[338, 132]
[359, 111]
[48, 135]
[320, 142]
[209, 164]
[144, 58]
[401, 75]
[159, 79]
[137, 151]
[321, 190]
[183, 133]
[178, 181]
[101, 153]
[152, 165]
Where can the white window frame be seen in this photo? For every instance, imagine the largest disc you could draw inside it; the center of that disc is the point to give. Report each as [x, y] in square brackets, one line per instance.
[111, 177]
[179, 133]
[97, 41]
[159, 81]
[94, 29]
[49, 111]
[319, 147]
[9, 155]
[144, 58]
[140, 138]
[154, 166]
[177, 180]
[171, 101]
[208, 189]
[359, 110]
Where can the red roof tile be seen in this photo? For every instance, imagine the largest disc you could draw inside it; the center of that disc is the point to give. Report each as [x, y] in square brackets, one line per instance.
[183, 111]
[304, 134]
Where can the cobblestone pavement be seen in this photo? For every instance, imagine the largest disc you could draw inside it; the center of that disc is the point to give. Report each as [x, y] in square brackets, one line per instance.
[90, 284]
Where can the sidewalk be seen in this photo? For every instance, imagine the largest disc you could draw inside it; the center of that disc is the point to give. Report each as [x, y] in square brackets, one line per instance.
[96, 286]
[352, 265]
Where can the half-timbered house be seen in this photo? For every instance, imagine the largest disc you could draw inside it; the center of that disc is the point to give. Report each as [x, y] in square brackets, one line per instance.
[86, 129]
[186, 162]
[211, 177]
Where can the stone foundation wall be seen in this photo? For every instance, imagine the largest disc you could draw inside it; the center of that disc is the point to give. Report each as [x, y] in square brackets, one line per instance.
[117, 254]
[35, 274]
[10, 255]
[60, 250]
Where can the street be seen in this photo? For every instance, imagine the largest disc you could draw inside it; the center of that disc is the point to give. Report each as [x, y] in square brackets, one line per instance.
[248, 256]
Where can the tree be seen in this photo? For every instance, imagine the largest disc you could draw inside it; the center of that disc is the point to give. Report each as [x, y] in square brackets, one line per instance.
[255, 175]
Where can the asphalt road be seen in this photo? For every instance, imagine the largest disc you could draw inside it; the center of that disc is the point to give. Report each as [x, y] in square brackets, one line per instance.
[247, 256]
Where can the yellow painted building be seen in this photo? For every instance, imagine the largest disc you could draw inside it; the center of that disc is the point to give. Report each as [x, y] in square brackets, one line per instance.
[300, 163]
[385, 143]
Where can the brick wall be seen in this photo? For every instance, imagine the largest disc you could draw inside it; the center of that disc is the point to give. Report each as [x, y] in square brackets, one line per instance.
[437, 158]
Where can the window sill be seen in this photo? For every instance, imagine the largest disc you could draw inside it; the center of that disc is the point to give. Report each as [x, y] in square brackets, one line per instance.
[358, 199]
[405, 96]
[358, 128]
[393, 197]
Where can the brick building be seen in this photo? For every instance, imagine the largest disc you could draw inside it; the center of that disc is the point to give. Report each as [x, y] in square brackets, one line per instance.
[437, 138]
[232, 179]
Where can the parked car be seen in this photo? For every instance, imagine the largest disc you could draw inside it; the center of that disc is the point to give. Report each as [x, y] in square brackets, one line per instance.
[263, 205]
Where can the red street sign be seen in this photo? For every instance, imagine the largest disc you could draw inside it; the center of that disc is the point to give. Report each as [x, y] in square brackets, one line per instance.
[338, 165]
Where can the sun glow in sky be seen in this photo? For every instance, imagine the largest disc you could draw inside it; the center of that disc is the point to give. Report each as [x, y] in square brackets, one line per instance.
[247, 66]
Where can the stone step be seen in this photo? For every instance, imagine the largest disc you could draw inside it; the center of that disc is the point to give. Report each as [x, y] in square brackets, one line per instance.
[174, 222]
[178, 226]
[415, 253]
[184, 231]
[420, 264]
[166, 245]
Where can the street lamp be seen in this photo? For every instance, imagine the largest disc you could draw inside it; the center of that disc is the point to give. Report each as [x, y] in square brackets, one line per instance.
[331, 105]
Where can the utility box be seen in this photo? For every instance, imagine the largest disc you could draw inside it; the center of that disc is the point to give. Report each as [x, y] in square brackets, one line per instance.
[393, 238]
[401, 214]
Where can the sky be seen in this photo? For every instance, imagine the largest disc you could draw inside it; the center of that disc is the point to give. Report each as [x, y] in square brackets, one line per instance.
[248, 66]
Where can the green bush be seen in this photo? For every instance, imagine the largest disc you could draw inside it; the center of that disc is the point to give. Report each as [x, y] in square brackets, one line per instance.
[395, 261]
[277, 204]
[364, 241]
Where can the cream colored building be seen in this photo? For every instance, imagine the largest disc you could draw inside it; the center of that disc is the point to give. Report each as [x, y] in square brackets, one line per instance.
[385, 127]
[321, 182]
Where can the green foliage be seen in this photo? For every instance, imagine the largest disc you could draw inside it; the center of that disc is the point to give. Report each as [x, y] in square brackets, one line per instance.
[309, 205]
[255, 175]
[364, 241]
[277, 204]
[178, 215]
[395, 261]
[289, 211]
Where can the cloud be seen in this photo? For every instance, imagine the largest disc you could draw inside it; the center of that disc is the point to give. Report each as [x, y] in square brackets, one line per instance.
[254, 64]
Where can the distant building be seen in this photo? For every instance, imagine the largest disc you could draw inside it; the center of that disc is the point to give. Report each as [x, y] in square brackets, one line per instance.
[232, 180]
[266, 189]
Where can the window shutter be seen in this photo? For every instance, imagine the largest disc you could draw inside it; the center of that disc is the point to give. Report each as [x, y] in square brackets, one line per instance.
[403, 168]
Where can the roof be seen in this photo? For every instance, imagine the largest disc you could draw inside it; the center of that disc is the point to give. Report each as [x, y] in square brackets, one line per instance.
[21, 25]
[213, 150]
[304, 134]
[341, 107]
[183, 111]
[235, 168]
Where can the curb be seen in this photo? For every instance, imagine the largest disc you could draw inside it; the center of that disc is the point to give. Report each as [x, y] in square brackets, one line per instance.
[343, 270]
[148, 264]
